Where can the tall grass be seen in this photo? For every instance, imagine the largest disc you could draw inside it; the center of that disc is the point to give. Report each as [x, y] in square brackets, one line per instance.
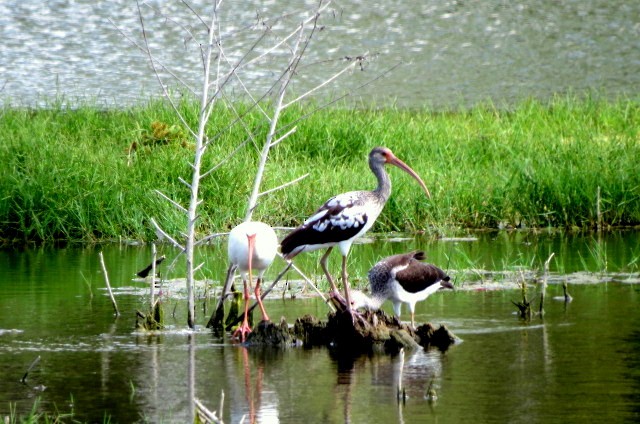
[86, 174]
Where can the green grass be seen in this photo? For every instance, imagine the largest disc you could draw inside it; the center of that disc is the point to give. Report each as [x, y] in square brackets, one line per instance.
[36, 415]
[87, 174]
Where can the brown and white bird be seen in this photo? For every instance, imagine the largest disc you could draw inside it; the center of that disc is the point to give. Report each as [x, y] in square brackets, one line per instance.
[251, 246]
[345, 217]
[402, 279]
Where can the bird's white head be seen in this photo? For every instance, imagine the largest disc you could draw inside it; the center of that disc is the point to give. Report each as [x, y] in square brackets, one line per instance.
[361, 300]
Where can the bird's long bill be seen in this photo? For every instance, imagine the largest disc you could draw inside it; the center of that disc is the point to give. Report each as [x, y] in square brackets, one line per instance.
[446, 285]
[251, 242]
[397, 162]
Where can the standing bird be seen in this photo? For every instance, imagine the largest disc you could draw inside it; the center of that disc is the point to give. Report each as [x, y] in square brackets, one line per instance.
[252, 246]
[402, 279]
[345, 217]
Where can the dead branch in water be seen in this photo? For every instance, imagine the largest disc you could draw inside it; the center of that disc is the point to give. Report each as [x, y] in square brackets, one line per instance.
[106, 280]
[524, 307]
[543, 291]
[26, 374]
[207, 416]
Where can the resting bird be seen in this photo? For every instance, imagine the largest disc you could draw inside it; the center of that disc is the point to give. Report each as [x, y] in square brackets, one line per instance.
[346, 217]
[402, 279]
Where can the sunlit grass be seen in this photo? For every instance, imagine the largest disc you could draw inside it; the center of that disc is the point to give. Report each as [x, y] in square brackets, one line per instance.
[87, 174]
[37, 416]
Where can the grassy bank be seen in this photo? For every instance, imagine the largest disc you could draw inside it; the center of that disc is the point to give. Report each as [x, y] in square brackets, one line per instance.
[88, 174]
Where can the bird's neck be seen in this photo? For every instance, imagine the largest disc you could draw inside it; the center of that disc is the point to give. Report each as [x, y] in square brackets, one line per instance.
[373, 302]
[361, 300]
[384, 182]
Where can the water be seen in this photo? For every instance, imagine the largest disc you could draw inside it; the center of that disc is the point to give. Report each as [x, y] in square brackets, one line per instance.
[581, 363]
[443, 53]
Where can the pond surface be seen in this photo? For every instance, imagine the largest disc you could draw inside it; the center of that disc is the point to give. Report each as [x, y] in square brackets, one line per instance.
[443, 53]
[581, 363]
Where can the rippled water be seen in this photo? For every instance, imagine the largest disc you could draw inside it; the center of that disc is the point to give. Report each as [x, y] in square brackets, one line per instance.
[580, 363]
[447, 53]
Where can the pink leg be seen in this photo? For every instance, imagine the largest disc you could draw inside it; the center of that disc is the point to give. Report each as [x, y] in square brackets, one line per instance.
[345, 278]
[265, 317]
[244, 328]
[334, 295]
[323, 264]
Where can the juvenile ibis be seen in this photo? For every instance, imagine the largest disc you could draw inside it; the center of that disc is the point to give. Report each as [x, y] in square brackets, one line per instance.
[251, 247]
[345, 217]
[402, 279]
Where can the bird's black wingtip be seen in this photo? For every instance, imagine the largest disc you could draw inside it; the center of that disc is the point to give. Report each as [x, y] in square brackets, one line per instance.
[419, 255]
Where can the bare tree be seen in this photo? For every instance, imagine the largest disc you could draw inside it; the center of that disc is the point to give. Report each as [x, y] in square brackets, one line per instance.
[274, 44]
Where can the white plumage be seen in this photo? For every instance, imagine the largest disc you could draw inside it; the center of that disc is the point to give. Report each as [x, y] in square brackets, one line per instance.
[264, 250]
[252, 246]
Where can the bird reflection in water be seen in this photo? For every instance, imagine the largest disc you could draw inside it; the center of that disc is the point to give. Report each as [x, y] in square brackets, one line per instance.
[412, 377]
[252, 397]
[261, 397]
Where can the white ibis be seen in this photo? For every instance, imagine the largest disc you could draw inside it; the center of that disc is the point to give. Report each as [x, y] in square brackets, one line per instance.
[345, 217]
[252, 246]
[402, 279]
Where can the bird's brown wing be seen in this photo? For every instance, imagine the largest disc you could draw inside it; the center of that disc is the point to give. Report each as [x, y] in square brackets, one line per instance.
[418, 276]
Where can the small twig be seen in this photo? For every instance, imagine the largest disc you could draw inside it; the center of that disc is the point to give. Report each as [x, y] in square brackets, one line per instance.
[26, 374]
[218, 313]
[544, 283]
[343, 96]
[524, 307]
[204, 414]
[313, 286]
[210, 237]
[106, 280]
[224, 160]
[280, 187]
[220, 408]
[319, 86]
[165, 235]
[154, 254]
[284, 136]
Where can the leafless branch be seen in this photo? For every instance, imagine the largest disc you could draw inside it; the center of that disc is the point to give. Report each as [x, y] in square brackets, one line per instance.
[174, 203]
[280, 187]
[106, 280]
[323, 84]
[345, 95]
[225, 160]
[284, 136]
[165, 235]
[210, 237]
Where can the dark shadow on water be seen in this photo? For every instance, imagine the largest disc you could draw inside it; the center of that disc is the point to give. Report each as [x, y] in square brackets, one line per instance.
[631, 358]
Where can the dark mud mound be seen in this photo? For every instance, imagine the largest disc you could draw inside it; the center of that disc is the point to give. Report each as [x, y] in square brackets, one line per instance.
[363, 332]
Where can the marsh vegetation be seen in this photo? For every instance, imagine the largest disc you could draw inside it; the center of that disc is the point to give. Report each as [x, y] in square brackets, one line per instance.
[87, 174]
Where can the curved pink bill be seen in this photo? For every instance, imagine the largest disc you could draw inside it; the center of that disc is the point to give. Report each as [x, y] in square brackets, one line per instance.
[400, 164]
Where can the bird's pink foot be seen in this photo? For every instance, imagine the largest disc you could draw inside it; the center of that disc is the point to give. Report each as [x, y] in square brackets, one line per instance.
[242, 331]
[358, 317]
[338, 300]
